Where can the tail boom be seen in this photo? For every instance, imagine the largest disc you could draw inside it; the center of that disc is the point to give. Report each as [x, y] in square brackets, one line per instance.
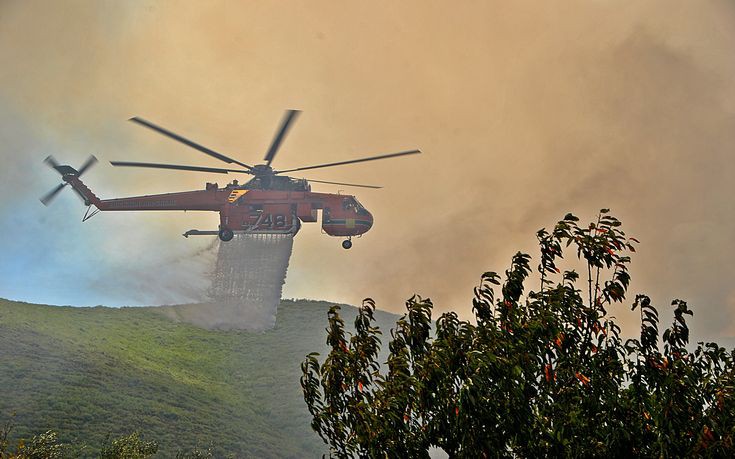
[187, 200]
[83, 190]
[205, 200]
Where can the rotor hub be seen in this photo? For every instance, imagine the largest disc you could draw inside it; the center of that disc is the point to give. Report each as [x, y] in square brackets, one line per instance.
[260, 170]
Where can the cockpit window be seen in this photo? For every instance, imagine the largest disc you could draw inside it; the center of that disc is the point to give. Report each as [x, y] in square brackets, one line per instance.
[350, 203]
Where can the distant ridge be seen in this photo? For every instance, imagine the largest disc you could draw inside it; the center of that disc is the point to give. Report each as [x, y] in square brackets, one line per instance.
[87, 372]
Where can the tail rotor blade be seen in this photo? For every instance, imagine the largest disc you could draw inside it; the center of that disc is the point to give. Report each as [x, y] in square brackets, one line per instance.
[51, 162]
[48, 197]
[87, 164]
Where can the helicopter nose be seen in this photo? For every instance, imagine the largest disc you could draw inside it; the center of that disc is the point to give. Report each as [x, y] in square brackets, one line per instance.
[369, 220]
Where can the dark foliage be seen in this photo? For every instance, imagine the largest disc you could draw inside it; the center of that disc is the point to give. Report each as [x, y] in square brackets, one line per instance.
[542, 373]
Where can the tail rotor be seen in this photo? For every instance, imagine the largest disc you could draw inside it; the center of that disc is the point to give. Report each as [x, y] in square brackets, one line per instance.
[65, 171]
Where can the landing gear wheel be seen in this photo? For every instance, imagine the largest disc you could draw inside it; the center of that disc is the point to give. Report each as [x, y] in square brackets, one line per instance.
[346, 244]
[226, 234]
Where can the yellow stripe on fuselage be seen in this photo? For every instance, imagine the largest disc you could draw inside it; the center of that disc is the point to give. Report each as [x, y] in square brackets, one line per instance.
[236, 194]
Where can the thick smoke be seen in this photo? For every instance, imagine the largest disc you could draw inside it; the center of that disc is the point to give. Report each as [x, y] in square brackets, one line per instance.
[525, 110]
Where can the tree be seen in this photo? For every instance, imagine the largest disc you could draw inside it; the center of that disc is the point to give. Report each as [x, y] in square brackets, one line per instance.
[48, 446]
[542, 373]
[42, 446]
[128, 447]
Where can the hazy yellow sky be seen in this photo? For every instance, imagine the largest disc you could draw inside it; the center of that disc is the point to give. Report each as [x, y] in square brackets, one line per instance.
[525, 110]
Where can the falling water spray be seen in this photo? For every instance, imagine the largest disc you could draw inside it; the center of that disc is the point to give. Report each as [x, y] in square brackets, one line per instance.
[248, 280]
[246, 285]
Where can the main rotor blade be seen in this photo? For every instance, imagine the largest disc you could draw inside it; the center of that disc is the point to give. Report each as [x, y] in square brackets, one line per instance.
[187, 142]
[288, 119]
[87, 164]
[48, 197]
[340, 163]
[345, 184]
[215, 170]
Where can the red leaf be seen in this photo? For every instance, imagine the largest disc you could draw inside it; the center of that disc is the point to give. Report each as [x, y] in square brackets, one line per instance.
[584, 379]
[707, 434]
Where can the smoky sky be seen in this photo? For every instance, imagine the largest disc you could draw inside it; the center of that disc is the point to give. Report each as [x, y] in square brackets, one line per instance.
[524, 111]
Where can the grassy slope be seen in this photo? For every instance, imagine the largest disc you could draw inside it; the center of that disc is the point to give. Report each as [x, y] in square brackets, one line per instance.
[87, 372]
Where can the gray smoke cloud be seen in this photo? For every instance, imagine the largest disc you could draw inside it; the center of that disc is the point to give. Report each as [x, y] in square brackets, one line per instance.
[524, 111]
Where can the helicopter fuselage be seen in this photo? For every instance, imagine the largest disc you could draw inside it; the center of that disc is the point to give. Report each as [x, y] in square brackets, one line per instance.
[243, 209]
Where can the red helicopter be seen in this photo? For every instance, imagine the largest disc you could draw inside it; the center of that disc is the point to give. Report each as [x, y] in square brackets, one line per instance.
[269, 203]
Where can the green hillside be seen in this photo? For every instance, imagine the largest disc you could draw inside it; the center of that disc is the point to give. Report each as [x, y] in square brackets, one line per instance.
[89, 372]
